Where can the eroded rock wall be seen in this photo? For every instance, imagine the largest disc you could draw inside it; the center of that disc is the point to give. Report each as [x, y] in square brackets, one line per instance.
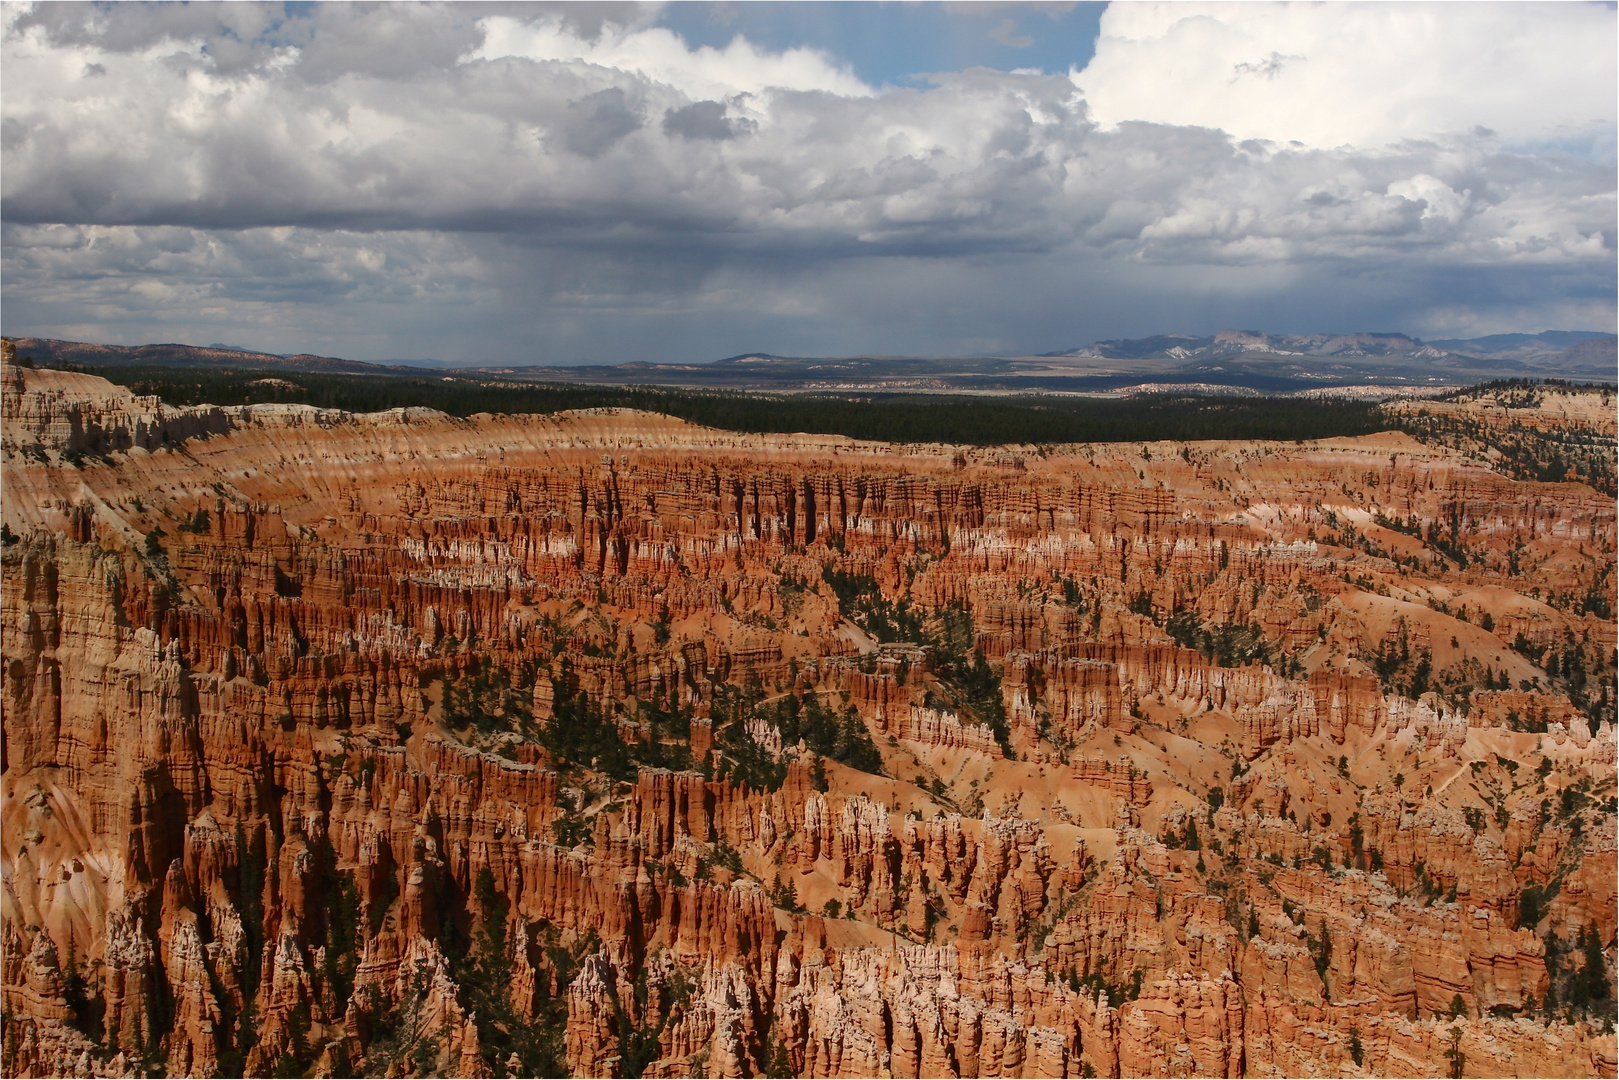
[255, 819]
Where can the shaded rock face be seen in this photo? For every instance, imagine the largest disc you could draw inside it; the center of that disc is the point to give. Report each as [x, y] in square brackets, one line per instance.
[401, 744]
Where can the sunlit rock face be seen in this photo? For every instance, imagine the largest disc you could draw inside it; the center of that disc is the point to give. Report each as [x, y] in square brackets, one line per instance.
[403, 744]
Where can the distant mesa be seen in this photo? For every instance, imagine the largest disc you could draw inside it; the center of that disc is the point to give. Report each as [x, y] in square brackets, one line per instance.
[1600, 352]
[1497, 343]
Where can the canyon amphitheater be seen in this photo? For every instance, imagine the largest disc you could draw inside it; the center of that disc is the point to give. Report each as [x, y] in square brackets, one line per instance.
[603, 744]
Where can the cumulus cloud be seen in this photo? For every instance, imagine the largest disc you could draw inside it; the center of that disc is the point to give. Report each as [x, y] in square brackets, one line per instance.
[1365, 75]
[584, 161]
[660, 55]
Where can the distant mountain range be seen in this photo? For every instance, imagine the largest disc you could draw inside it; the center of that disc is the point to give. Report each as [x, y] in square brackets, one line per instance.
[1248, 360]
[49, 352]
[1547, 346]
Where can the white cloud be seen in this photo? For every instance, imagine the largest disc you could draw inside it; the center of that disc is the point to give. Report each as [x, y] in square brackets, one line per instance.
[1360, 74]
[522, 168]
[660, 55]
[1439, 200]
[980, 161]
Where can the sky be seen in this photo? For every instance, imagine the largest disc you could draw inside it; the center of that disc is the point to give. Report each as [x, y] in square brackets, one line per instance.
[602, 183]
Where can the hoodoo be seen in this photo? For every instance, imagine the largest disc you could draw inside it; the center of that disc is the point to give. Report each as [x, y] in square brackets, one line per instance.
[606, 744]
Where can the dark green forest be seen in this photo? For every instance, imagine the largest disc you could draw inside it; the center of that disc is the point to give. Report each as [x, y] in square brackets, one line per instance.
[1524, 453]
[976, 421]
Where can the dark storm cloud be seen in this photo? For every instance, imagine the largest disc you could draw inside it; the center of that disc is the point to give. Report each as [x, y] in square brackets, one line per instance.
[705, 120]
[599, 120]
[232, 157]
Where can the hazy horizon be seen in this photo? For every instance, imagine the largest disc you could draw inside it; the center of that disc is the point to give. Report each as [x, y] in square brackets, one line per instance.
[435, 363]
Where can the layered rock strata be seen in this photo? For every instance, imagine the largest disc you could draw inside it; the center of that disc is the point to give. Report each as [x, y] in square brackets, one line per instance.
[294, 780]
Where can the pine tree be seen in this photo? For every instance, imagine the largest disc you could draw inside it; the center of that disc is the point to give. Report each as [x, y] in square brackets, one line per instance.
[1454, 1055]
